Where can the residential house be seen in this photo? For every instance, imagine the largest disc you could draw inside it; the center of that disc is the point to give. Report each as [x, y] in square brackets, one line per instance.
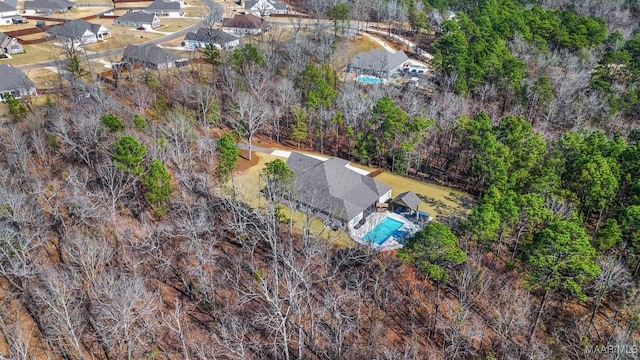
[244, 24]
[165, 8]
[9, 14]
[138, 19]
[334, 190]
[215, 37]
[9, 45]
[379, 63]
[33, 7]
[79, 32]
[152, 57]
[15, 82]
[264, 8]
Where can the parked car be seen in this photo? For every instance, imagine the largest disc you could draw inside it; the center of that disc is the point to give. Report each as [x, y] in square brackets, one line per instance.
[141, 28]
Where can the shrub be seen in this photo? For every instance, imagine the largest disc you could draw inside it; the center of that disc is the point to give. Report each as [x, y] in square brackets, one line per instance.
[112, 122]
[139, 122]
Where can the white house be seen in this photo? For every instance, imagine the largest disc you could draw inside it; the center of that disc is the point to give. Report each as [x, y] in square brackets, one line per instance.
[152, 57]
[215, 37]
[264, 8]
[79, 32]
[138, 19]
[378, 62]
[9, 14]
[244, 24]
[15, 83]
[330, 189]
[9, 45]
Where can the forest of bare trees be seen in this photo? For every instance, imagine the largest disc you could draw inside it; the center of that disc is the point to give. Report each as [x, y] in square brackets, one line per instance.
[118, 240]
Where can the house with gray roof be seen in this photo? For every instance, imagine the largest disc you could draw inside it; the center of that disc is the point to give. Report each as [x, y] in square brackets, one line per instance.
[15, 82]
[165, 8]
[245, 24]
[9, 45]
[48, 6]
[138, 19]
[330, 189]
[378, 62]
[152, 57]
[79, 32]
[264, 8]
[214, 37]
[9, 14]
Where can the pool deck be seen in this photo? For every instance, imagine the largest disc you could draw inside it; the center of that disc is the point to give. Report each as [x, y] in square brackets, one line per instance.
[376, 218]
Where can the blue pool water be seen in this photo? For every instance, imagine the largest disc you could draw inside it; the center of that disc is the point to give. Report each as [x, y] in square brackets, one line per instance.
[382, 231]
[369, 79]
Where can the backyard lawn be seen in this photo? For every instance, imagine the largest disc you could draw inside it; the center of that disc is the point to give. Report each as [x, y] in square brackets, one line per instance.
[34, 54]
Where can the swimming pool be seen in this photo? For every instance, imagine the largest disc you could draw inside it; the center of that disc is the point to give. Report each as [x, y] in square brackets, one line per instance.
[369, 79]
[382, 231]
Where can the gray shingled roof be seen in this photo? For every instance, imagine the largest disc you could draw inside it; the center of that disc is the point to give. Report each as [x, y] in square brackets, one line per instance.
[150, 53]
[408, 199]
[138, 16]
[3, 38]
[13, 79]
[333, 188]
[277, 5]
[48, 4]
[215, 36]
[164, 5]
[379, 60]
[4, 7]
[74, 29]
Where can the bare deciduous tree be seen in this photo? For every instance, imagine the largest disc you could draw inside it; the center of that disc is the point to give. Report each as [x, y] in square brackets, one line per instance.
[251, 115]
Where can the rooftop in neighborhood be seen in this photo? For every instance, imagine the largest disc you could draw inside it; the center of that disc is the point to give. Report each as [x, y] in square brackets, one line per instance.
[246, 21]
[164, 5]
[212, 36]
[150, 53]
[138, 16]
[332, 187]
[75, 28]
[379, 60]
[13, 79]
[4, 7]
[3, 38]
[48, 4]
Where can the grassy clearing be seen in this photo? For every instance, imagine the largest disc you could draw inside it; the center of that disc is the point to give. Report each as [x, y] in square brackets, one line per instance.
[33, 54]
[248, 187]
[440, 202]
